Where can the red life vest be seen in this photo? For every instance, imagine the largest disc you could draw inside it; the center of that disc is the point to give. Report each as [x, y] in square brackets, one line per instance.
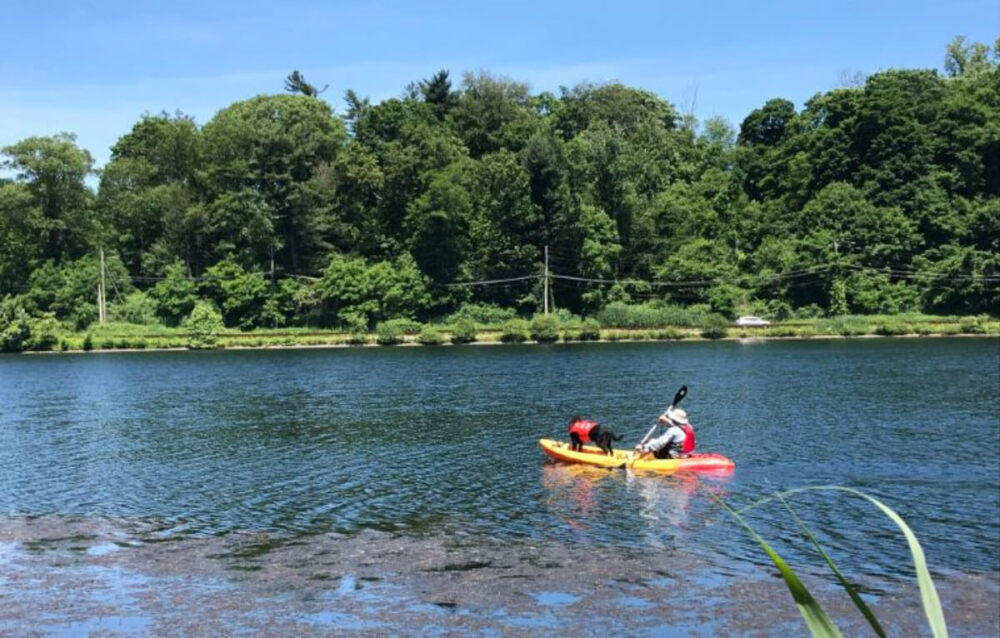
[688, 446]
[582, 429]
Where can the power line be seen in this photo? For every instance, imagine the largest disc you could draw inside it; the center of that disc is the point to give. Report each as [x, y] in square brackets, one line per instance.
[487, 282]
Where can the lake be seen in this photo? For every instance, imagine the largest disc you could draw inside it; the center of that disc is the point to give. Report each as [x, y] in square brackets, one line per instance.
[355, 485]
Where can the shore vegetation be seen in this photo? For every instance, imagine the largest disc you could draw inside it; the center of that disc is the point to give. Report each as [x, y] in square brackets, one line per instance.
[474, 199]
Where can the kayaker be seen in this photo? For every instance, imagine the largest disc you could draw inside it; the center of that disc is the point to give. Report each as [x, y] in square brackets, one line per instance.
[676, 442]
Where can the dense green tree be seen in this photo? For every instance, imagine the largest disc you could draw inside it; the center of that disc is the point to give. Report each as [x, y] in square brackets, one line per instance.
[881, 196]
[296, 83]
[437, 92]
[614, 105]
[492, 113]
[353, 290]
[58, 215]
[272, 144]
[175, 295]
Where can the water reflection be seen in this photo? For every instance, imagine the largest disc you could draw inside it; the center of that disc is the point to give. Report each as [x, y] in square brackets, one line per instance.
[571, 492]
[665, 500]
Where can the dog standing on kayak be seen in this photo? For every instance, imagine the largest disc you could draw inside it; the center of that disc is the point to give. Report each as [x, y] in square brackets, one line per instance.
[583, 431]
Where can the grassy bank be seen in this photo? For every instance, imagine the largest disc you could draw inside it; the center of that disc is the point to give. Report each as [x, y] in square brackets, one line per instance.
[123, 336]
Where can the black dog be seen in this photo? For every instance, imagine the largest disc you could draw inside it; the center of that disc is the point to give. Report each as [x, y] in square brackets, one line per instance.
[601, 437]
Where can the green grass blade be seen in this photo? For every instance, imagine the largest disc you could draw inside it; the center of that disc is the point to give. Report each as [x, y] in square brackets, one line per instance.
[813, 614]
[858, 602]
[928, 593]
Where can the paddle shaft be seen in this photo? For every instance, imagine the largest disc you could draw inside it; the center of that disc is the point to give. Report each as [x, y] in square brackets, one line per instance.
[677, 399]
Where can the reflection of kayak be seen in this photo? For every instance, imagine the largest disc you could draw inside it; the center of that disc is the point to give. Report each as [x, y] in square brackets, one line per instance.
[592, 455]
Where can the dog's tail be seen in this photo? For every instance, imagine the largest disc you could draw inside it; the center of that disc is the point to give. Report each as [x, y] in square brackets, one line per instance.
[617, 438]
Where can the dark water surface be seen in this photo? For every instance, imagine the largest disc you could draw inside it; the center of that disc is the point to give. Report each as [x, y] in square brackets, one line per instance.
[439, 445]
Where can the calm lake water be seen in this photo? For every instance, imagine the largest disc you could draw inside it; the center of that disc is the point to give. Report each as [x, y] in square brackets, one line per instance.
[442, 443]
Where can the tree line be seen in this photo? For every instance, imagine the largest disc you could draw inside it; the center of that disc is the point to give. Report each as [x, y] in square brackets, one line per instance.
[880, 197]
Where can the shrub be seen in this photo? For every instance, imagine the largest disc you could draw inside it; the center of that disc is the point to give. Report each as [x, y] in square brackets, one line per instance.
[407, 326]
[650, 315]
[590, 330]
[464, 331]
[545, 329]
[15, 325]
[514, 331]
[88, 342]
[668, 333]
[138, 308]
[812, 311]
[203, 326]
[714, 327]
[356, 338]
[847, 326]
[893, 329]
[44, 334]
[430, 336]
[973, 326]
[388, 333]
[486, 314]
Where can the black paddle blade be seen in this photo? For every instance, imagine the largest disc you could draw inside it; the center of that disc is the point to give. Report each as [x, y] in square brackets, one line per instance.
[680, 395]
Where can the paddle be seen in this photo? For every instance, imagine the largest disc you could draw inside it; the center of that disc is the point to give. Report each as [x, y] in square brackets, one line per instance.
[677, 399]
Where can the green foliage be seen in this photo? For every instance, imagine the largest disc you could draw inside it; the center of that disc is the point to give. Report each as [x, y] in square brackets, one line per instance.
[652, 315]
[545, 328]
[45, 334]
[247, 299]
[137, 308]
[590, 330]
[838, 298]
[59, 207]
[974, 325]
[203, 326]
[879, 198]
[812, 613]
[714, 327]
[175, 295]
[515, 331]
[69, 291]
[893, 329]
[463, 331]
[15, 325]
[430, 336]
[353, 288]
[388, 333]
[484, 314]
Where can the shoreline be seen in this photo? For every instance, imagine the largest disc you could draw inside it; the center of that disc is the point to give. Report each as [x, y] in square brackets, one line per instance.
[694, 338]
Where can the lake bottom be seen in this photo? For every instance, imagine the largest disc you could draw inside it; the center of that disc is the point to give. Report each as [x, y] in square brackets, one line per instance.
[75, 575]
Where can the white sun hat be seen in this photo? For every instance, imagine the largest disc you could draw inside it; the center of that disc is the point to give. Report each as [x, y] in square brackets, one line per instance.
[678, 416]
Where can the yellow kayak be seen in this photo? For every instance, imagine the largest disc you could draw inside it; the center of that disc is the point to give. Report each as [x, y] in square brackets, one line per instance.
[592, 455]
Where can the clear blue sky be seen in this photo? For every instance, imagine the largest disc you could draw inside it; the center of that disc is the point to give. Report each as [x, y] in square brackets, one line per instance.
[94, 68]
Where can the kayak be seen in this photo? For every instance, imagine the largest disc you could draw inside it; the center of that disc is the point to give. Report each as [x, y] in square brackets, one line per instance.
[593, 455]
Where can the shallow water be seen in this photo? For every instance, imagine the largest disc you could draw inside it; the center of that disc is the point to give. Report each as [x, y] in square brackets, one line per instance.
[439, 444]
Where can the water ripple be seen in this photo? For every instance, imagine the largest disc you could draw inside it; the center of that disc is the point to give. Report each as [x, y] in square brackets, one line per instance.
[416, 440]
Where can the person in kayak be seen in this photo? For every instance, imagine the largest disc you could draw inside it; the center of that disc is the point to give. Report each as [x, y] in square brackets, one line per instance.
[676, 442]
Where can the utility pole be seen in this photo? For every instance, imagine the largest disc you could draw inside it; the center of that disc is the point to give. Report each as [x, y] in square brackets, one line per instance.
[545, 288]
[272, 262]
[102, 309]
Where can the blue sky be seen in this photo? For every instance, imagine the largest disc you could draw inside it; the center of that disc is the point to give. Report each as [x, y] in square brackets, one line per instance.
[94, 68]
